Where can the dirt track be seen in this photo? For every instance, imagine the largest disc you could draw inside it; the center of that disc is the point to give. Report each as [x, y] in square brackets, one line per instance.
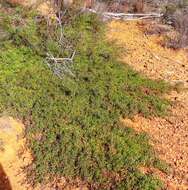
[169, 135]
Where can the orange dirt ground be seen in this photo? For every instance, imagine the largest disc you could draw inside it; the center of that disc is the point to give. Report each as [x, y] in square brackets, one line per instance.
[13, 155]
[169, 135]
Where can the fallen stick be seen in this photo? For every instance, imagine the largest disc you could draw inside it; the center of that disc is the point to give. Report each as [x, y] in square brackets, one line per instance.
[127, 16]
[132, 15]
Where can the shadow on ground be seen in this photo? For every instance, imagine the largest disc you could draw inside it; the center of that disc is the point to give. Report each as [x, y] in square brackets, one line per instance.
[4, 181]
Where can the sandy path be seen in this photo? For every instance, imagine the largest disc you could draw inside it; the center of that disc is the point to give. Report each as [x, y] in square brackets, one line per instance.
[169, 135]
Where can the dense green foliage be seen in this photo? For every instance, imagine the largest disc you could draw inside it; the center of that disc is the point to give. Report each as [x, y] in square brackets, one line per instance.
[73, 126]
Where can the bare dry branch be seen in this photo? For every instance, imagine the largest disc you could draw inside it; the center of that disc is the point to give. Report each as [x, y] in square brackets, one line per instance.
[127, 16]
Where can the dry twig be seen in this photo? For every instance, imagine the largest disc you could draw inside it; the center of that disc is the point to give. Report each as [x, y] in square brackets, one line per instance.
[127, 16]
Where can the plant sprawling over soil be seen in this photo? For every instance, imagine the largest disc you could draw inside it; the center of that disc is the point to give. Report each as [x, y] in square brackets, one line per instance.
[73, 126]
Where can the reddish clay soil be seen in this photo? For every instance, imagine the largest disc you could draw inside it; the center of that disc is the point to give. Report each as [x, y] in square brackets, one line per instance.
[13, 155]
[169, 135]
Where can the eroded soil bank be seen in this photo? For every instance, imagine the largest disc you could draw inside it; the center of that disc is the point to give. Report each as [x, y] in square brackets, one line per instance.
[169, 135]
[13, 155]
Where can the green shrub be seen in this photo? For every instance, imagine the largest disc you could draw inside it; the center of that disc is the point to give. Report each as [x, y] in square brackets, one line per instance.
[72, 123]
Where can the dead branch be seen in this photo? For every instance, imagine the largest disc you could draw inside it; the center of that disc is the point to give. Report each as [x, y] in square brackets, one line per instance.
[60, 66]
[50, 57]
[127, 16]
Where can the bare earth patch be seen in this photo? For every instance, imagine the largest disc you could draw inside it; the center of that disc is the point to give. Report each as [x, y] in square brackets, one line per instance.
[13, 155]
[169, 135]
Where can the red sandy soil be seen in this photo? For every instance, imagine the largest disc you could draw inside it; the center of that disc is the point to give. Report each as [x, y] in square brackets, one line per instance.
[169, 135]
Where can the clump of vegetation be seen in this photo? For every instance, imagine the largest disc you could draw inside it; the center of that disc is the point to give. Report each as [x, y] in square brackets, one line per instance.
[176, 14]
[73, 126]
[124, 5]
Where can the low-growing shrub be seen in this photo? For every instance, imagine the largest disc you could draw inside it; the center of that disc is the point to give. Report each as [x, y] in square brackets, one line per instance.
[177, 15]
[73, 127]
